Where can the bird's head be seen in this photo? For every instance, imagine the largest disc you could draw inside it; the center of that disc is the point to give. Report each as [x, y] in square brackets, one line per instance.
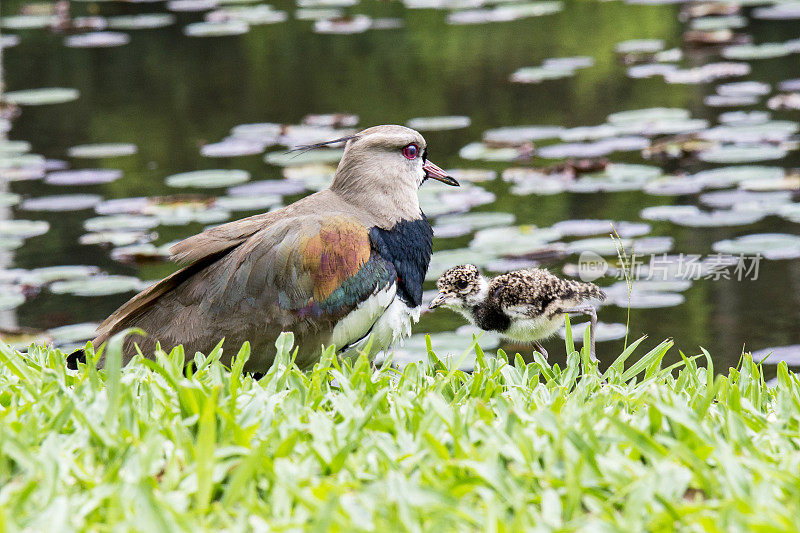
[382, 168]
[460, 287]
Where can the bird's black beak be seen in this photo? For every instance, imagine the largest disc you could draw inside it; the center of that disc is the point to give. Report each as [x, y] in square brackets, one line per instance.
[433, 171]
[440, 298]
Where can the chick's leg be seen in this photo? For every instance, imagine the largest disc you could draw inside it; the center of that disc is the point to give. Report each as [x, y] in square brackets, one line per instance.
[591, 312]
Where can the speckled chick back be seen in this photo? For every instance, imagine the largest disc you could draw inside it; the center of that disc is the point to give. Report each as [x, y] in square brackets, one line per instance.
[540, 291]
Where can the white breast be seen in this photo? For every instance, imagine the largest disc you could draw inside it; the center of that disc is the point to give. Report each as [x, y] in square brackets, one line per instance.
[533, 329]
[382, 319]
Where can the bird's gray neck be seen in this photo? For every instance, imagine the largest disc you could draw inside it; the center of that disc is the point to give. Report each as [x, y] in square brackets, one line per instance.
[386, 205]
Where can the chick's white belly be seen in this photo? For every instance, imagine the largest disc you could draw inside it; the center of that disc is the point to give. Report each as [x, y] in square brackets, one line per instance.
[533, 329]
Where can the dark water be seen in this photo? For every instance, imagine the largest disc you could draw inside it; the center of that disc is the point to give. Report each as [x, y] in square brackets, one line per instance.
[169, 94]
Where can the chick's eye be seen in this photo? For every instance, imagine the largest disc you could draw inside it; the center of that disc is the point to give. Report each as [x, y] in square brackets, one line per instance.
[461, 284]
[411, 151]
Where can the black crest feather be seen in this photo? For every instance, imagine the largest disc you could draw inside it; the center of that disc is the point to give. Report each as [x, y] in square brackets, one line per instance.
[308, 147]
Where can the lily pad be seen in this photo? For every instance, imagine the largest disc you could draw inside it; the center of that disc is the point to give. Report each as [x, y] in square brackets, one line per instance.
[120, 223]
[772, 356]
[102, 150]
[253, 15]
[23, 229]
[250, 202]
[471, 221]
[27, 22]
[45, 275]
[97, 286]
[442, 260]
[715, 219]
[97, 39]
[208, 179]
[281, 187]
[191, 6]
[216, 29]
[605, 331]
[475, 151]
[343, 26]
[233, 147]
[722, 177]
[668, 212]
[9, 299]
[517, 135]
[143, 21]
[756, 51]
[299, 157]
[63, 202]
[744, 118]
[88, 176]
[9, 199]
[439, 123]
[116, 238]
[639, 46]
[43, 96]
[648, 300]
[265, 132]
[73, 333]
[742, 153]
[769, 245]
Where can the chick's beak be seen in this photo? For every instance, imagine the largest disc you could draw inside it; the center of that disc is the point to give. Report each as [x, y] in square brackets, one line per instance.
[433, 171]
[439, 300]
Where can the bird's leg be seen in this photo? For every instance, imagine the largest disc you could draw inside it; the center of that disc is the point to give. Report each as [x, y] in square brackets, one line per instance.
[592, 313]
[539, 348]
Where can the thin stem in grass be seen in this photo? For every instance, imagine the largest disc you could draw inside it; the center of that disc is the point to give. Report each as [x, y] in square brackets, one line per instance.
[623, 256]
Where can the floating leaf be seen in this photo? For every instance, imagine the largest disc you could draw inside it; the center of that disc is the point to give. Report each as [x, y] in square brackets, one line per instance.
[73, 333]
[639, 46]
[9, 199]
[280, 187]
[772, 356]
[320, 155]
[94, 176]
[102, 150]
[232, 147]
[742, 153]
[710, 219]
[216, 29]
[63, 202]
[756, 51]
[439, 123]
[45, 275]
[250, 202]
[97, 286]
[770, 245]
[120, 223]
[43, 96]
[23, 229]
[143, 21]
[648, 300]
[477, 150]
[98, 39]
[343, 26]
[208, 178]
[605, 331]
[27, 22]
[9, 299]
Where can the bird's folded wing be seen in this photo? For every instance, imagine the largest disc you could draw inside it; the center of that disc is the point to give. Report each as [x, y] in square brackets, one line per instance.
[310, 270]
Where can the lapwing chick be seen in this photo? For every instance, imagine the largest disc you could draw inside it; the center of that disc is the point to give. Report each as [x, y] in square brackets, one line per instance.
[524, 305]
[343, 266]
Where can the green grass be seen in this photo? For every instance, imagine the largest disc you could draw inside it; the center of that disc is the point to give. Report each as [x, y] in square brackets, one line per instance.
[345, 447]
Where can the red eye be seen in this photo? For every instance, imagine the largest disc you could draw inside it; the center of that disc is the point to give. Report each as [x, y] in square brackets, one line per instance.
[411, 151]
